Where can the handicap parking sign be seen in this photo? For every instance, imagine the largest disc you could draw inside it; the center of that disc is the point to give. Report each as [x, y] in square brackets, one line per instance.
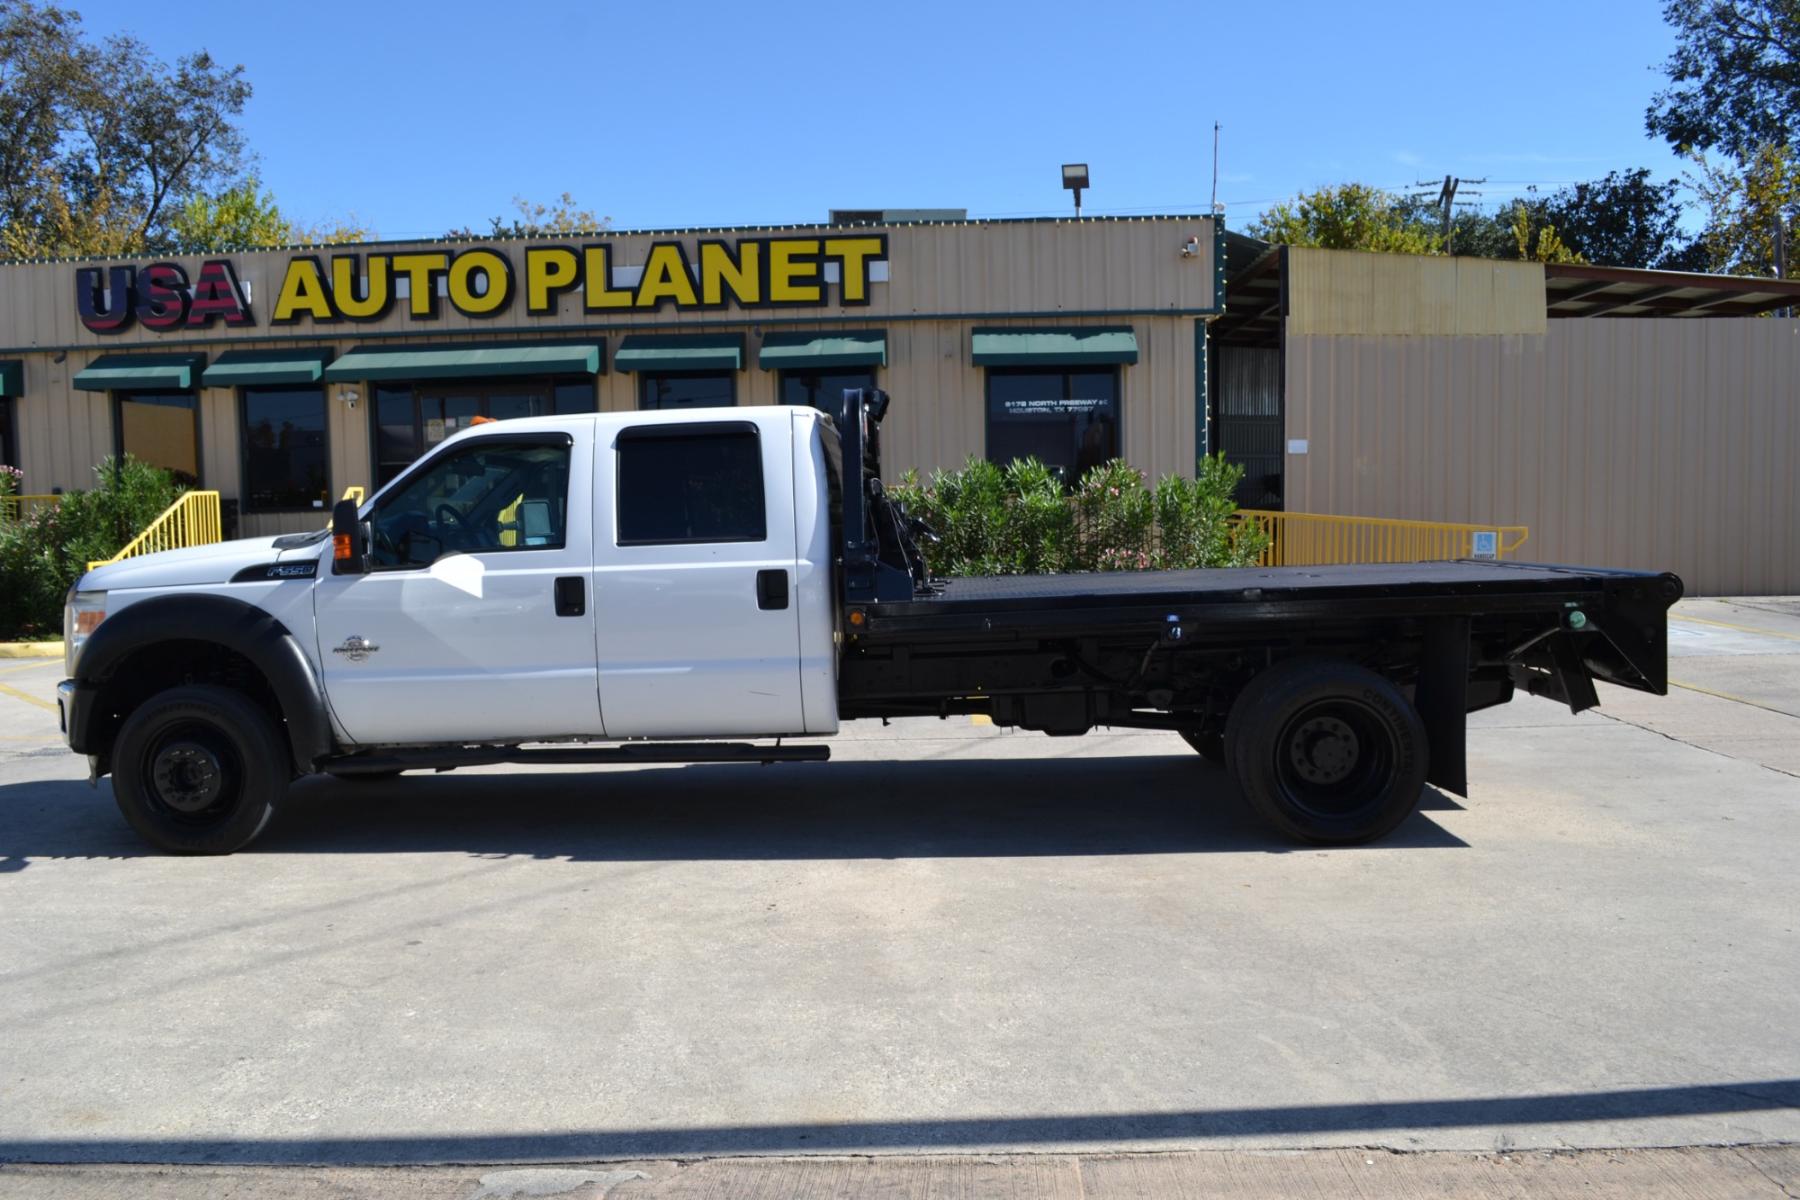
[1484, 543]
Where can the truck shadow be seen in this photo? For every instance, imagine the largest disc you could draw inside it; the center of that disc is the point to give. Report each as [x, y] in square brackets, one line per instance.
[931, 809]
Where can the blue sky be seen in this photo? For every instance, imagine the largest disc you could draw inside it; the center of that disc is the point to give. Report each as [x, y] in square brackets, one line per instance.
[418, 117]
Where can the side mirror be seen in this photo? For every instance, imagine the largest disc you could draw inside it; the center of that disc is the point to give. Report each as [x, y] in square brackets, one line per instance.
[349, 540]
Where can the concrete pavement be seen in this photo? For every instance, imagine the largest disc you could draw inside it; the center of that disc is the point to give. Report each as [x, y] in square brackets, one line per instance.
[952, 938]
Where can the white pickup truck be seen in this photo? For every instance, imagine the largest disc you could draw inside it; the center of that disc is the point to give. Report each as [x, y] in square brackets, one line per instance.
[635, 587]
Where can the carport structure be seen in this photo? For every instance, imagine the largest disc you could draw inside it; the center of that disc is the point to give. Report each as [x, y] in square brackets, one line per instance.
[1630, 418]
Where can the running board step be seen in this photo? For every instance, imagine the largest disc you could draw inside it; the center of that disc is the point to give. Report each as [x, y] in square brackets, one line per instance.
[631, 752]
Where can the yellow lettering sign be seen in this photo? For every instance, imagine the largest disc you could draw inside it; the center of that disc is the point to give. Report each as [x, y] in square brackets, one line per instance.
[549, 272]
[496, 275]
[719, 271]
[666, 277]
[794, 272]
[373, 304]
[421, 271]
[597, 293]
[853, 255]
[302, 293]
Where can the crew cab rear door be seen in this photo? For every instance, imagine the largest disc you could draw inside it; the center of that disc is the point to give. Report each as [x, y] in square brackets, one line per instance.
[475, 621]
[696, 619]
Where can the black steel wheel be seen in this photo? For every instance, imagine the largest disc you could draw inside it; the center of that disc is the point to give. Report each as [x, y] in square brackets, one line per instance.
[199, 770]
[1327, 751]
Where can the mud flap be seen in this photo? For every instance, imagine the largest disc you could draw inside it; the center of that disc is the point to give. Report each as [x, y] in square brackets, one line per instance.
[1441, 699]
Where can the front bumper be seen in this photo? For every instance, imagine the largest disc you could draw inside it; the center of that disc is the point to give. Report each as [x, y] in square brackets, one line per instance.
[75, 705]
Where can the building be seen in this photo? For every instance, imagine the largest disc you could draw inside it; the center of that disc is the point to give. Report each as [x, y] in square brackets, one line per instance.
[280, 378]
[1643, 419]
[1629, 418]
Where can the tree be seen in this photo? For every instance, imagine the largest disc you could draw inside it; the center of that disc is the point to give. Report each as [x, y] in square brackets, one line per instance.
[102, 142]
[1735, 76]
[1536, 241]
[1622, 220]
[1744, 202]
[244, 217]
[558, 218]
[1350, 216]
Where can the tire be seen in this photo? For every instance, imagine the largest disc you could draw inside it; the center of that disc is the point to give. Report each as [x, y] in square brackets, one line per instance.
[1208, 743]
[199, 770]
[1327, 752]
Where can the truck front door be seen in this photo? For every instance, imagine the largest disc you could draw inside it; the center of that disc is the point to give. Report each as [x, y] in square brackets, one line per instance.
[474, 621]
[694, 570]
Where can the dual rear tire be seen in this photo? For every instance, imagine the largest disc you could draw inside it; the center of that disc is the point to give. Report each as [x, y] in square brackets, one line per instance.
[1325, 751]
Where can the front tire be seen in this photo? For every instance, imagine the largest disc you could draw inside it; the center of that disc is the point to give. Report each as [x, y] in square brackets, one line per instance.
[1327, 752]
[199, 770]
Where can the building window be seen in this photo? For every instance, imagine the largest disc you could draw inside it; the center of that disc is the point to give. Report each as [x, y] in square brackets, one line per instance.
[687, 389]
[284, 449]
[1066, 418]
[162, 429]
[691, 483]
[489, 496]
[412, 418]
[9, 443]
[823, 389]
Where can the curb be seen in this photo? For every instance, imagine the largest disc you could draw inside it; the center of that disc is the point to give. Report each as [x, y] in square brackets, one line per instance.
[31, 649]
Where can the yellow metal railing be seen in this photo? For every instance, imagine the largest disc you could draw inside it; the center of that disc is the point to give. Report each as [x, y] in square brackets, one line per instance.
[354, 492]
[193, 520]
[17, 508]
[1316, 540]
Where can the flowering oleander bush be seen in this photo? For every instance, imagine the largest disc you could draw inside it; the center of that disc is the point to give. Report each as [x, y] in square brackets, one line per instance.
[12, 480]
[1019, 520]
[46, 549]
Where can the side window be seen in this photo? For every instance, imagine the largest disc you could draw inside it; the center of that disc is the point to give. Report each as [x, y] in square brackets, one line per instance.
[488, 496]
[691, 483]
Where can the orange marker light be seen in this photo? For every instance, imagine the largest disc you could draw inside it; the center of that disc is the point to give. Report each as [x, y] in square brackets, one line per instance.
[858, 617]
[340, 547]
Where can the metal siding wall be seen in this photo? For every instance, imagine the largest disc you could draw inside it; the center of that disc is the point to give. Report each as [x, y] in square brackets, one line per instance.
[1655, 444]
[987, 270]
[1349, 292]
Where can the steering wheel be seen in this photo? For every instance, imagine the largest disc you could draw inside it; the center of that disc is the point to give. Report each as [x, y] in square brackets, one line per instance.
[461, 526]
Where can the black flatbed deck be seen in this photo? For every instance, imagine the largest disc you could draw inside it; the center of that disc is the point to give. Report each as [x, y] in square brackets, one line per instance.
[1042, 604]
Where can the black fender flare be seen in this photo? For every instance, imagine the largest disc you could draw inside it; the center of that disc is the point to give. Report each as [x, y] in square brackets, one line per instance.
[268, 644]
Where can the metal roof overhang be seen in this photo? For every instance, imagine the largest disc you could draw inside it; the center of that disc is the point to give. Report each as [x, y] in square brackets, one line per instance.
[1587, 290]
[681, 352]
[469, 362]
[122, 372]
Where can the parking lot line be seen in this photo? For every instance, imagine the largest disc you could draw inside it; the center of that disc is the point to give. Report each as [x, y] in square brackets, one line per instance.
[1790, 637]
[27, 697]
[1706, 691]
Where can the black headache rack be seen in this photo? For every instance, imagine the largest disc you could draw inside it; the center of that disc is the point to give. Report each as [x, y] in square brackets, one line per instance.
[877, 542]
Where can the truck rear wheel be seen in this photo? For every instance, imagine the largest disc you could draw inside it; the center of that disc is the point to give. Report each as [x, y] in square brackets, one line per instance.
[199, 770]
[1327, 751]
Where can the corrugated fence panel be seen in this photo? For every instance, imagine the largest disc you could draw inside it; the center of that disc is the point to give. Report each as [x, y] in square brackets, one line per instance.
[1658, 444]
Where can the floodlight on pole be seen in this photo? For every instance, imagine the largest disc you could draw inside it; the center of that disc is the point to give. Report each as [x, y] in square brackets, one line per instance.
[1075, 177]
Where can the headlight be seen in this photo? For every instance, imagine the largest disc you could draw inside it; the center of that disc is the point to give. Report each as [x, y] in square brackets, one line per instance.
[82, 615]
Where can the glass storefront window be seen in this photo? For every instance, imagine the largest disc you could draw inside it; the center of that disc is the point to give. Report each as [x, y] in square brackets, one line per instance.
[1068, 419]
[412, 418]
[687, 389]
[162, 429]
[812, 387]
[284, 449]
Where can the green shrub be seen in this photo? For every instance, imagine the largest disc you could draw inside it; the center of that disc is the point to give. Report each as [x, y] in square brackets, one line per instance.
[45, 552]
[1018, 520]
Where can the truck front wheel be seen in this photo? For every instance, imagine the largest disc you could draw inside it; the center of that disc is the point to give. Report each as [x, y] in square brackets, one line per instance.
[1327, 751]
[199, 770]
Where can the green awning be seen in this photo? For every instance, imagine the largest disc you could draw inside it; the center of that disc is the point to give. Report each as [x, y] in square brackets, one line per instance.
[469, 362]
[821, 351]
[681, 352]
[1055, 347]
[12, 378]
[122, 372]
[251, 368]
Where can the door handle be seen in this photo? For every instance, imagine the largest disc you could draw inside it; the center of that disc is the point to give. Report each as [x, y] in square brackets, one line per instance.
[772, 588]
[571, 596]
